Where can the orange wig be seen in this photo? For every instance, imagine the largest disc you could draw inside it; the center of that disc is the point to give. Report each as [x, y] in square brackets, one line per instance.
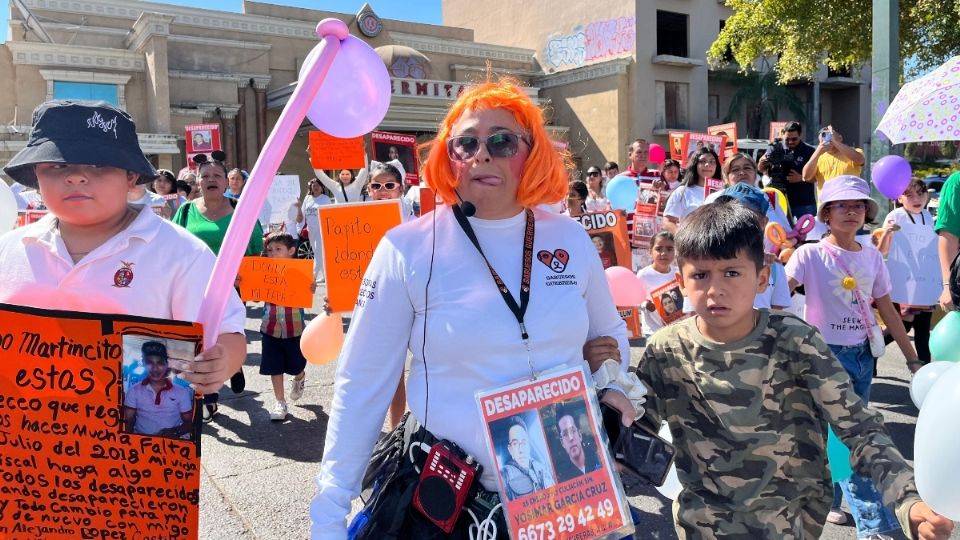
[544, 177]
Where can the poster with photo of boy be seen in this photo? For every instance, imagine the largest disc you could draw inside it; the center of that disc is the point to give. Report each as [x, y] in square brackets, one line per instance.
[155, 401]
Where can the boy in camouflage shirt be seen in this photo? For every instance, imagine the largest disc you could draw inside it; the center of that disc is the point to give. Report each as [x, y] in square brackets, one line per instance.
[748, 395]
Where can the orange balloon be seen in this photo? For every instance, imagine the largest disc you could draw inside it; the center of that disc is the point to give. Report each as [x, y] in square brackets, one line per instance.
[776, 234]
[322, 339]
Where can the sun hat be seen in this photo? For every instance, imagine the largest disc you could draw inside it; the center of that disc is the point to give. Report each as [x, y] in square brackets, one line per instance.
[848, 188]
[80, 133]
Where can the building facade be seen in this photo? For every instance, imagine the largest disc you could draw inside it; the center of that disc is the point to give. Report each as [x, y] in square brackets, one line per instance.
[170, 66]
[617, 70]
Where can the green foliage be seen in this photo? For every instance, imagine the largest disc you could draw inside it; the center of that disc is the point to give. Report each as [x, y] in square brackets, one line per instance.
[803, 33]
[761, 97]
[948, 149]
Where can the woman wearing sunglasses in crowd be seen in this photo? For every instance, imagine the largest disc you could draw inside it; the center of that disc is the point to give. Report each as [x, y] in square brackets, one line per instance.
[703, 164]
[386, 182]
[430, 289]
[595, 201]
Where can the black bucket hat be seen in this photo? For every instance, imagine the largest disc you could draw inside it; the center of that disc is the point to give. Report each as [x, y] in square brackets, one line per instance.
[81, 133]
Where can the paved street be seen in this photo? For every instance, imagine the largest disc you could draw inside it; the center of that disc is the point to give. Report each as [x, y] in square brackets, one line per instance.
[258, 476]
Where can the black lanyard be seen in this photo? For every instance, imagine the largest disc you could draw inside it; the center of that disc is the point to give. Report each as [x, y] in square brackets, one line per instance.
[517, 310]
[923, 219]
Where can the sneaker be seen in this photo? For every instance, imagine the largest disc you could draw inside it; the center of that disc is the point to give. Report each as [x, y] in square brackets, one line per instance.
[296, 387]
[279, 412]
[836, 516]
[238, 382]
[209, 411]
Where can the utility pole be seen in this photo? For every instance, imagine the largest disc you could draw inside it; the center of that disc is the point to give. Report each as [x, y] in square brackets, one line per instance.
[885, 83]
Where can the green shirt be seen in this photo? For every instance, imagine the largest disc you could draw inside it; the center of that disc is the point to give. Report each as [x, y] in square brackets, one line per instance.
[948, 214]
[749, 422]
[212, 232]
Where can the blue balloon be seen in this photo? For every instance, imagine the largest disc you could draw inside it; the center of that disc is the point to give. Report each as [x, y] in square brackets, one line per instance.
[839, 457]
[622, 193]
[945, 338]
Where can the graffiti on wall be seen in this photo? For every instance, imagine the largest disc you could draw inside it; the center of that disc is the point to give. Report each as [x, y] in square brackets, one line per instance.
[599, 40]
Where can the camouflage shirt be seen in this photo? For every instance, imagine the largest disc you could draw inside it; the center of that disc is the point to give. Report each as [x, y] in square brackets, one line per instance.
[749, 421]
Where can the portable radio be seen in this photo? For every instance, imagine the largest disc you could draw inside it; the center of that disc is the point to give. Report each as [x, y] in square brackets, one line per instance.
[445, 484]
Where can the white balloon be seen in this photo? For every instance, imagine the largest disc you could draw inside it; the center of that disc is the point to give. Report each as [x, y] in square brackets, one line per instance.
[936, 440]
[8, 208]
[671, 487]
[924, 378]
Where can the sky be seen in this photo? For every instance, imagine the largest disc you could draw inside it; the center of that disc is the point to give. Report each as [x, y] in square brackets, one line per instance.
[424, 11]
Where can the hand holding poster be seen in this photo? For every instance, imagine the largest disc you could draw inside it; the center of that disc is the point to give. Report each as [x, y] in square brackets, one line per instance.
[88, 452]
[553, 466]
[350, 234]
[284, 282]
[333, 153]
[400, 146]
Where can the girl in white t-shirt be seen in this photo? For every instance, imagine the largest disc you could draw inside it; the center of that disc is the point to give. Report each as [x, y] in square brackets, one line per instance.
[841, 276]
[657, 274]
[911, 223]
[689, 196]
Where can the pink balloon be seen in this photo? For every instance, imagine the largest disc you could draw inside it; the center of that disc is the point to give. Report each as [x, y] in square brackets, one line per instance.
[322, 339]
[355, 96]
[625, 286]
[657, 153]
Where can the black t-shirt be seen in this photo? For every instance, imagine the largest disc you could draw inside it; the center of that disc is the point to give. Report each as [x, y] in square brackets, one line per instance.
[801, 193]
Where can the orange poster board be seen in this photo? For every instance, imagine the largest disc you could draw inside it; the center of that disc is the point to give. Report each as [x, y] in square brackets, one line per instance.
[608, 231]
[668, 299]
[775, 128]
[631, 316]
[333, 153]
[350, 234]
[730, 132]
[82, 456]
[284, 282]
[676, 147]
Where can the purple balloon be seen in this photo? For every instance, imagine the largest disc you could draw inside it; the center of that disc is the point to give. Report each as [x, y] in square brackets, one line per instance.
[355, 94]
[891, 175]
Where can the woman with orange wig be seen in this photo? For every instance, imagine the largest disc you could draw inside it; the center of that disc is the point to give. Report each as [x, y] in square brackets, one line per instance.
[431, 289]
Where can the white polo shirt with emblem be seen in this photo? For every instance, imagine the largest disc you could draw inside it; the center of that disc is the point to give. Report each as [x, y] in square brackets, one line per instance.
[153, 268]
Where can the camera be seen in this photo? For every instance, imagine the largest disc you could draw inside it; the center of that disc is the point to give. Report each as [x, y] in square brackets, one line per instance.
[782, 160]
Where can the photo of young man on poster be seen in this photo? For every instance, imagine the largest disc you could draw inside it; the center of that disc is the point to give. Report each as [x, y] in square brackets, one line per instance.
[202, 141]
[603, 241]
[153, 404]
[579, 455]
[522, 454]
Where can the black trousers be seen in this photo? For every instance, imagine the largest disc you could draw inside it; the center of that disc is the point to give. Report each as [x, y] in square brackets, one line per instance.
[921, 333]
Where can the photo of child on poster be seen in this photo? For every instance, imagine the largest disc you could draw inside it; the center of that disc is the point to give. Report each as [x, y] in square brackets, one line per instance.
[603, 241]
[155, 401]
[522, 456]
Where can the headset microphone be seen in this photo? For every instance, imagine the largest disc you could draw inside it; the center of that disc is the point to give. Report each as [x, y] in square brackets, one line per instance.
[466, 207]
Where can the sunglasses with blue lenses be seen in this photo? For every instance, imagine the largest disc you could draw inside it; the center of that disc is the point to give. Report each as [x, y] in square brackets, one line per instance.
[499, 145]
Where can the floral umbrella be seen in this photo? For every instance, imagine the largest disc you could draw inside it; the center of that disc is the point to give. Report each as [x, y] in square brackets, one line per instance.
[926, 109]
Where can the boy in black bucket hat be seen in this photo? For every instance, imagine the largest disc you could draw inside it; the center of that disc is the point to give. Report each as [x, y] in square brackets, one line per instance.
[94, 251]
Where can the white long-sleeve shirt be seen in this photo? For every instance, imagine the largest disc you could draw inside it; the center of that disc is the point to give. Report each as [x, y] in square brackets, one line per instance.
[341, 193]
[472, 339]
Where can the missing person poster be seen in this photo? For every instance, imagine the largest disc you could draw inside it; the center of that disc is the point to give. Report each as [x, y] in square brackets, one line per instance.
[668, 299]
[646, 221]
[284, 282]
[676, 147]
[350, 232]
[712, 185]
[608, 231]
[552, 464]
[202, 138]
[729, 131]
[693, 142]
[333, 153]
[631, 317]
[99, 438]
[390, 146]
[776, 128]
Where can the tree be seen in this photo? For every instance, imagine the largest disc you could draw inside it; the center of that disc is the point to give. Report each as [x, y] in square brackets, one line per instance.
[803, 33]
[762, 97]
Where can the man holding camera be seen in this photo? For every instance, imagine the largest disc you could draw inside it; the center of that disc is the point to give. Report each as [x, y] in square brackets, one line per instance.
[832, 158]
[783, 163]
